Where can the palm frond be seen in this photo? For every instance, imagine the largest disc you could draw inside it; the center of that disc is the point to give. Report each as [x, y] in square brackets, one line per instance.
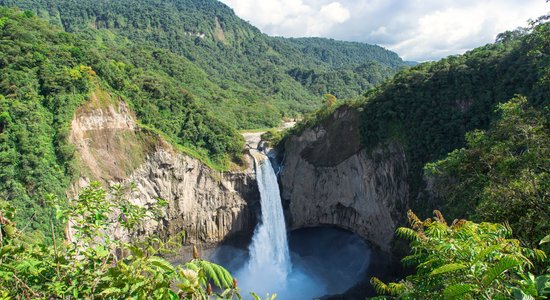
[505, 264]
[457, 290]
[448, 268]
[407, 233]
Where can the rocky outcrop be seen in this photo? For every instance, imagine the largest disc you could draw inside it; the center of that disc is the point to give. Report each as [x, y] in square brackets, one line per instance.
[329, 180]
[108, 142]
[210, 206]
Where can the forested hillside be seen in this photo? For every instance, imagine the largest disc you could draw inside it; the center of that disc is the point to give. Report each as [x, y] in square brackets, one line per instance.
[244, 77]
[47, 73]
[429, 109]
[475, 132]
[191, 71]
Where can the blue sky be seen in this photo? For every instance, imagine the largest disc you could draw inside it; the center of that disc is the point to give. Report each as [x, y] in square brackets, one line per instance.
[416, 29]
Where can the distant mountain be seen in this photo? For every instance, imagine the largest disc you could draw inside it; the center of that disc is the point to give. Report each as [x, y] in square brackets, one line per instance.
[244, 77]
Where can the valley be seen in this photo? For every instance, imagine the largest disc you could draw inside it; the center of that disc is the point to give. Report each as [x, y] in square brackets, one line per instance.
[171, 150]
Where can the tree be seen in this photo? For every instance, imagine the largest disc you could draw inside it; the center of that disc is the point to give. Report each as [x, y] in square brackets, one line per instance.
[502, 172]
[329, 100]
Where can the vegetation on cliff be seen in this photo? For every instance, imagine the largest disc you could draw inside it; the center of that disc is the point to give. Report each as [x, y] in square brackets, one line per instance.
[47, 73]
[503, 174]
[429, 109]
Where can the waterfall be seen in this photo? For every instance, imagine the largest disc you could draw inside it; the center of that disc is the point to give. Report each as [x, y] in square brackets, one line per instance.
[269, 263]
[333, 265]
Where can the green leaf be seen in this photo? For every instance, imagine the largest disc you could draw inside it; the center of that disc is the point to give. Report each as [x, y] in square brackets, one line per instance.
[454, 291]
[221, 277]
[112, 291]
[407, 233]
[447, 268]
[545, 240]
[520, 295]
[210, 272]
[161, 263]
[505, 264]
[172, 295]
[136, 251]
[412, 260]
[481, 255]
[101, 252]
[543, 285]
[137, 286]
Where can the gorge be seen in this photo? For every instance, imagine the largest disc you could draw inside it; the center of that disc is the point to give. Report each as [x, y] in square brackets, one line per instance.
[220, 210]
[134, 163]
[321, 261]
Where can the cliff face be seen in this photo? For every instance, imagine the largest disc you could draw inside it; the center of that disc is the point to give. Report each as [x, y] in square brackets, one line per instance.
[209, 206]
[327, 179]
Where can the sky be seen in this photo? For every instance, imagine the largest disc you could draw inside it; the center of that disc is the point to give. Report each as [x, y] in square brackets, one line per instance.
[417, 30]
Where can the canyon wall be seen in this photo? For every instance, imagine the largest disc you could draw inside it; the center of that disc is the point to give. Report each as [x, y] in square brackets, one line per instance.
[328, 179]
[210, 206]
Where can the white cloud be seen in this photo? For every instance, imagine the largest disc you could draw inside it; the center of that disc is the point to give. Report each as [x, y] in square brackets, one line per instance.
[335, 12]
[416, 29]
[291, 17]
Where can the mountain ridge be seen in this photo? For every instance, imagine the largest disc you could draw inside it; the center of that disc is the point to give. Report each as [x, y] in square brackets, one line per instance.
[249, 67]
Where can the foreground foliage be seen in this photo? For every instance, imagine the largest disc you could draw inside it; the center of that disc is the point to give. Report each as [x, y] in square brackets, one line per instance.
[86, 267]
[466, 260]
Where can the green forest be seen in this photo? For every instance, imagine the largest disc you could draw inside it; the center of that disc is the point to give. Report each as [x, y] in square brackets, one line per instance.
[242, 76]
[431, 107]
[476, 126]
[52, 63]
[48, 73]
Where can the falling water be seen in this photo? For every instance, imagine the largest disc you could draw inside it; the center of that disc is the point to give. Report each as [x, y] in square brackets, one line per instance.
[269, 270]
[324, 262]
[269, 263]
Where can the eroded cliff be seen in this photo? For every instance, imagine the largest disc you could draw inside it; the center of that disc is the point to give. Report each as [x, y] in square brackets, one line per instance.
[210, 206]
[328, 179]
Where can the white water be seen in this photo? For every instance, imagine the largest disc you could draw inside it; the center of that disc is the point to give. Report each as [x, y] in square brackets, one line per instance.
[269, 269]
[269, 263]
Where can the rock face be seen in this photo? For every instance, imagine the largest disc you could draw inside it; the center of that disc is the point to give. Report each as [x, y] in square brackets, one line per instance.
[328, 179]
[210, 206]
